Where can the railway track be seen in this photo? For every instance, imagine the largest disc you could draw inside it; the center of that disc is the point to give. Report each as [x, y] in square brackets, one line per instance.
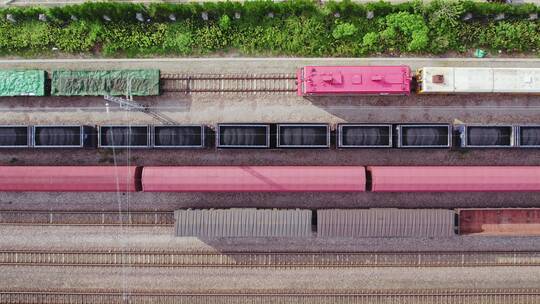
[261, 259]
[231, 83]
[87, 218]
[442, 296]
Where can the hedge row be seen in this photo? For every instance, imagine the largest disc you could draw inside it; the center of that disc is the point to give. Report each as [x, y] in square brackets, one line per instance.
[299, 28]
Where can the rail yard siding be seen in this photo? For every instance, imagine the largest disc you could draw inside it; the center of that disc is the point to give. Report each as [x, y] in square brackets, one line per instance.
[385, 223]
[22, 83]
[68, 178]
[114, 82]
[243, 223]
[254, 179]
[454, 178]
[500, 221]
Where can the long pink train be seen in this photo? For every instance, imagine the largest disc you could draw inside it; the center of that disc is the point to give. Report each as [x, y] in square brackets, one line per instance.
[270, 178]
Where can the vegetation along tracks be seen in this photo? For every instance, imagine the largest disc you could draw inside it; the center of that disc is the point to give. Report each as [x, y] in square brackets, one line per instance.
[229, 83]
[134, 258]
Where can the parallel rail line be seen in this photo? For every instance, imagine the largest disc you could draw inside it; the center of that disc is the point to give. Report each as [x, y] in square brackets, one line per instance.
[87, 218]
[260, 259]
[440, 296]
[229, 83]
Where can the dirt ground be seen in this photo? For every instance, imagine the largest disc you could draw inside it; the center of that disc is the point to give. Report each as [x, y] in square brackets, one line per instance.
[246, 280]
[98, 238]
[170, 201]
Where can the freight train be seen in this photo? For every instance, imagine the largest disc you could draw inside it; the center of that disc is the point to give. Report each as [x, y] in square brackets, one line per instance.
[310, 81]
[270, 178]
[272, 136]
[397, 80]
[354, 223]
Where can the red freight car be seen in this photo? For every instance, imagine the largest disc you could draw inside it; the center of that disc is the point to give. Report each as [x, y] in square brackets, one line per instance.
[454, 179]
[500, 221]
[353, 80]
[68, 178]
[254, 179]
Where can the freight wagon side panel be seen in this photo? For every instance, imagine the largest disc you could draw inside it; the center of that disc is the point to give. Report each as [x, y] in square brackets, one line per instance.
[254, 179]
[69, 178]
[243, 222]
[455, 178]
[385, 222]
[500, 221]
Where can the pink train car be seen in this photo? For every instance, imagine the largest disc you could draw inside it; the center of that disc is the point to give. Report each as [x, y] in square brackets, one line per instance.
[353, 80]
[69, 178]
[454, 178]
[254, 179]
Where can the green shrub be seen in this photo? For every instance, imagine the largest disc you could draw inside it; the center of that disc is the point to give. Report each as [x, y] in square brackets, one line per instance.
[88, 34]
[344, 30]
[296, 28]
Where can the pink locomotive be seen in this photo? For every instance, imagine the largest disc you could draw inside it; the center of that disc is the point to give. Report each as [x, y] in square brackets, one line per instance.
[354, 80]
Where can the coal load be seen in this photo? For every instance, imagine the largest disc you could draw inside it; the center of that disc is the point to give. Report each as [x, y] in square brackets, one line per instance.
[58, 136]
[489, 136]
[365, 136]
[530, 136]
[178, 136]
[13, 136]
[125, 136]
[243, 136]
[303, 136]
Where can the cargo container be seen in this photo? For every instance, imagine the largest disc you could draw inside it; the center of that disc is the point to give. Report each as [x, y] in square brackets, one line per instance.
[70, 178]
[243, 222]
[478, 80]
[63, 136]
[424, 135]
[115, 136]
[22, 83]
[254, 179]
[108, 82]
[243, 136]
[15, 136]
[528, 136]
[351, 135]
[353, 80]
[454, 178]
[507, 221]
[303, 136]
[387, 222]
[486, 136]
[179, 136]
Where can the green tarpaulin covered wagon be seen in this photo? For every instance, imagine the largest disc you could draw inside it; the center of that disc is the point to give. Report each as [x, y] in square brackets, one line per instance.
[22, 83]
[97, 83]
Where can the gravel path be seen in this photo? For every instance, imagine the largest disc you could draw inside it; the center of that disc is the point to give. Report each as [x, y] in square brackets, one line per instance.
[268, 65]
[171, 201]
[152, 238]
[252, 280]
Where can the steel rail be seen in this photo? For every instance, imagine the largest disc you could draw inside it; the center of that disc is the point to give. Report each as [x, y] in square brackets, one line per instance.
[229, 83]
[381, 296]
[166, 258]
[86, 218]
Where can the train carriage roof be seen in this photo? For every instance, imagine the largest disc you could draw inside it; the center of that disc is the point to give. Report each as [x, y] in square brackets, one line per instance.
[480, 80]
